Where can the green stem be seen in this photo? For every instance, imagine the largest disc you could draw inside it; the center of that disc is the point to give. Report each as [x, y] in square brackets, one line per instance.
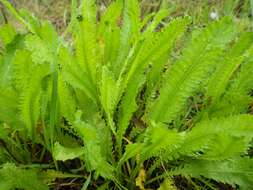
[42, 154]
[156, 178]
[53, 106]
[54, 100]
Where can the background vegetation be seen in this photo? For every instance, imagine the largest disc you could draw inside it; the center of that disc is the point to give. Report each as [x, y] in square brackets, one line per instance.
[58, 11]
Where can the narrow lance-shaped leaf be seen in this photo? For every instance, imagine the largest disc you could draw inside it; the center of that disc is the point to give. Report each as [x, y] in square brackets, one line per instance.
[129, 32]
[74, 75]
[239, 128]
[167, 143]
[186, 74]
[109, 33]
[236, 171]
[160, 43]
[86, 39]
[236, 98]
[109, 95]
[94, 160]
[229, 64]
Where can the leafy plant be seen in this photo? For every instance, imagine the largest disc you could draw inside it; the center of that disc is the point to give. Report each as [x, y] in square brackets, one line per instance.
[120, 102]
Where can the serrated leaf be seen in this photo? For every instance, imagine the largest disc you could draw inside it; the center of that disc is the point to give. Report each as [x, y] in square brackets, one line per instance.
[13, 177]
[185, 76]
[236, 171]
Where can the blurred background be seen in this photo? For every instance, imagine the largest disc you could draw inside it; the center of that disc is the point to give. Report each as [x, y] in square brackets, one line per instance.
[202, 11]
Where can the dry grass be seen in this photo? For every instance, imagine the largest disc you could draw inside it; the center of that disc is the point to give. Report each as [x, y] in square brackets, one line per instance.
[57, 11]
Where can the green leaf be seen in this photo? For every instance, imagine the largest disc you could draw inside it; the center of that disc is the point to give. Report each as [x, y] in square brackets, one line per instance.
[13, 177]
[229, 64]
[236, 171]
[67, 100]
[185, 76]
[7, 34]
[109, 90]
[43, 46]
[30, 98]
[205, 135]
[167, 185]
[129, 32]
[150, 50]
[9, 107]
[131, 151]
[7, 73]
[225, 147]
[74, 75]
[64, 153]
[87, 53]
[94, 159]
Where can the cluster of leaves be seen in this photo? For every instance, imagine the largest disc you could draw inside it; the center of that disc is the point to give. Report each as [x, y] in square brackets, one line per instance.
[125, 102]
